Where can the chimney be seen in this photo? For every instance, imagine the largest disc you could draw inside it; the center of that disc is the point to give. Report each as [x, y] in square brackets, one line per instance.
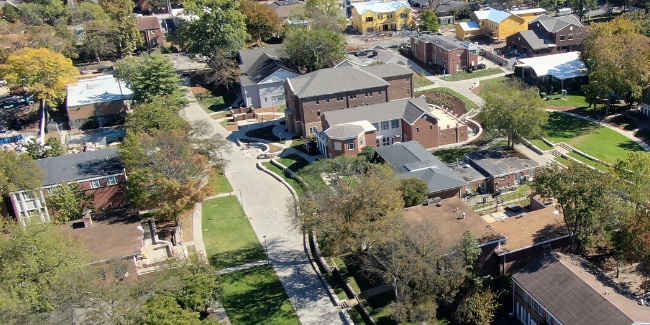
[88, 221]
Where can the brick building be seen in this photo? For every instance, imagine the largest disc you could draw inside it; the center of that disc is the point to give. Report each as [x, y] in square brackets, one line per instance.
[310, 95]
[548, 35]
[447, 54]
[100, 98]
[98, 173]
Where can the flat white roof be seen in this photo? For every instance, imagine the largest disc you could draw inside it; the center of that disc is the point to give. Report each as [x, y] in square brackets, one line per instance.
[102, 89]
[561, 66]
[379, 6]
[528, 11]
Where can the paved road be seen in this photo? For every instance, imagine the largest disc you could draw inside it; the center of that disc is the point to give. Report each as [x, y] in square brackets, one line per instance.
[265, 203]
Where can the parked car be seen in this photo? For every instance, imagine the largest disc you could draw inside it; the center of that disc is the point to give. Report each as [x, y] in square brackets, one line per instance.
[480, 66]
[266, 155]
[3, 127]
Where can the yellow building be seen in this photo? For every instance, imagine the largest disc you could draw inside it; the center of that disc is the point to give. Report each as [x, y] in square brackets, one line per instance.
[375, 16]
[496, 24]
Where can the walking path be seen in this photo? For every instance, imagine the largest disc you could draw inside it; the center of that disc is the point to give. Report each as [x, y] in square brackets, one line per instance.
[464, 87]
[242, 267]
[265, 202]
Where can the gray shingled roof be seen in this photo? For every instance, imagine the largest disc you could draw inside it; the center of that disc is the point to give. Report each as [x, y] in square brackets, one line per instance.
[535, 39]
[466, 171]
[334, 80]
[80, 166]
[444, 42]
[566, 296]
[258, 64]
[411, 160]
[344, 131]
[554, 24]
[388, 70]
[498, 163]
[409, 109]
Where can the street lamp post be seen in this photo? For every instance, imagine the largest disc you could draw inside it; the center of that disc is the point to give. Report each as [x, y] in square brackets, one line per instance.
[266, 249]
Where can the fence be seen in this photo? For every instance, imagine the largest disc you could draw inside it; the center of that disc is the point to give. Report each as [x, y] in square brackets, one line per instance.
[490, 204]
[508, 64]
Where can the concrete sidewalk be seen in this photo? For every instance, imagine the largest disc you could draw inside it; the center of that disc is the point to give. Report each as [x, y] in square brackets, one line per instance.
[463, 87]
[265, 202]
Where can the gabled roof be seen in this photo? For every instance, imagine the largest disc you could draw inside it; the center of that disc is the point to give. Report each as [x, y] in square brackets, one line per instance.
[80, 166]
[409, 109]
[411, 160]
[447, 43]
[334, 80]
[388, 70]
[561, 66]
[256, 65]
[575, 292]
[148, 23]
[554, 24]
[349, 130]
[494, 15]
[536, 39]
[379, 6]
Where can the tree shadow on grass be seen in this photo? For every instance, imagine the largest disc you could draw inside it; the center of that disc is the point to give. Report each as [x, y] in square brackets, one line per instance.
[250, 253]
[254, 296]
[265, 133]
[630, 145]
[567, 127]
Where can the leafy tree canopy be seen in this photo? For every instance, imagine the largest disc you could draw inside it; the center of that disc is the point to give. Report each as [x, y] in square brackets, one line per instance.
[429, 21]
[69, 202]
[18, 172]
[313, 49]
[414, 191]
[261, 21]
[150, 76]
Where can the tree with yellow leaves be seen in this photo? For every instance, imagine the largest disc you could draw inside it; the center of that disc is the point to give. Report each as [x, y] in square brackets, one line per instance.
[45, 74]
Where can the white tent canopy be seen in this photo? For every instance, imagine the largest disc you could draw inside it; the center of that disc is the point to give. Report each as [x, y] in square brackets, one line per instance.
[560, 66]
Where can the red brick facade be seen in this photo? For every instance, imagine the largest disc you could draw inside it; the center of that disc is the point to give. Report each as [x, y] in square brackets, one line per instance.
[431, 53]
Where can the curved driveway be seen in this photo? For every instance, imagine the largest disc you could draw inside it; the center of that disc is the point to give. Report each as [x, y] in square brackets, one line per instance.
[265, 203]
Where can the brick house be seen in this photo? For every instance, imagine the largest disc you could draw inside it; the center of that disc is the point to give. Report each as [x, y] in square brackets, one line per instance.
[562, 289]
[99, 173]
[262, 78]
[99, 98]
[411, 160]
[548, 35]
[501, 169]
[347, 131]
[446, 53]
[153, 33]
[310, 95]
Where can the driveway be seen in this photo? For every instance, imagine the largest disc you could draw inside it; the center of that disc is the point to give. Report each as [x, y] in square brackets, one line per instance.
[265, 204]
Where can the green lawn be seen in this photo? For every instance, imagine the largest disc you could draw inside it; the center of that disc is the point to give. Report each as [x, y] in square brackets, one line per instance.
[256, 296]
[563, 161]
[293, 162]
[485, 83]
[571, 99]
[452, 155]
[587, 161]
[421, 81]
[228, 236]
[476, 74]
[292, 182]
[600, 142]
[541, 144]
[216, 100]
[469, 105]
[221, 184]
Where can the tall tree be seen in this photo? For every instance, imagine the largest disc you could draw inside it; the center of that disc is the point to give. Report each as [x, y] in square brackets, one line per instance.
[44, 73]
[513, 109]
[225, 71]
[325, 14]
[477, 308]
[38, 12]
[429, 21]
[215, 24]
[635, 175]
[586, 198]
[36, 259]
[414, 191]
[581, 7]
[69, 202]
[150, 76]
[165, 310]
[159, 115]
[124, 24]
[313, 49]
[166, 174]
[18, 172]
[261, 21]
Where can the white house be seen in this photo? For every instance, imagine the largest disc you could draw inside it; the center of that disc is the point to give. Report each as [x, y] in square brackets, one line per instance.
[262, 78]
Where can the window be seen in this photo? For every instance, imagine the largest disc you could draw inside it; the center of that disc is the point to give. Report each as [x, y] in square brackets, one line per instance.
[370, 30]
[369, 19]
[276, 99]
[317, 102]
[318, 113]
[29, 195]
[384, 125]
[390, 16]
[376, 125]
[380, 91]
[431, 127]
[394, 124]
[111, 180]
[350, 145]
[561, 38]
[313, 130]
[95, 183]
[405, 15]
[337, 146]
[361, 142]
[570, 36]
[380, 16]
[353, 96]
[327, 100]
[458, 54]
[417, 130]
[339, 98]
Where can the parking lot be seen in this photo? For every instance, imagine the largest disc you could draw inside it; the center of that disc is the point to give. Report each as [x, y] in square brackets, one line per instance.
[17, 111]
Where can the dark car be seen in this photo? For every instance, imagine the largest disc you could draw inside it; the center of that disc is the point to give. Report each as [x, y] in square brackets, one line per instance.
[480, 66]
[17, 124]
[3, 127]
